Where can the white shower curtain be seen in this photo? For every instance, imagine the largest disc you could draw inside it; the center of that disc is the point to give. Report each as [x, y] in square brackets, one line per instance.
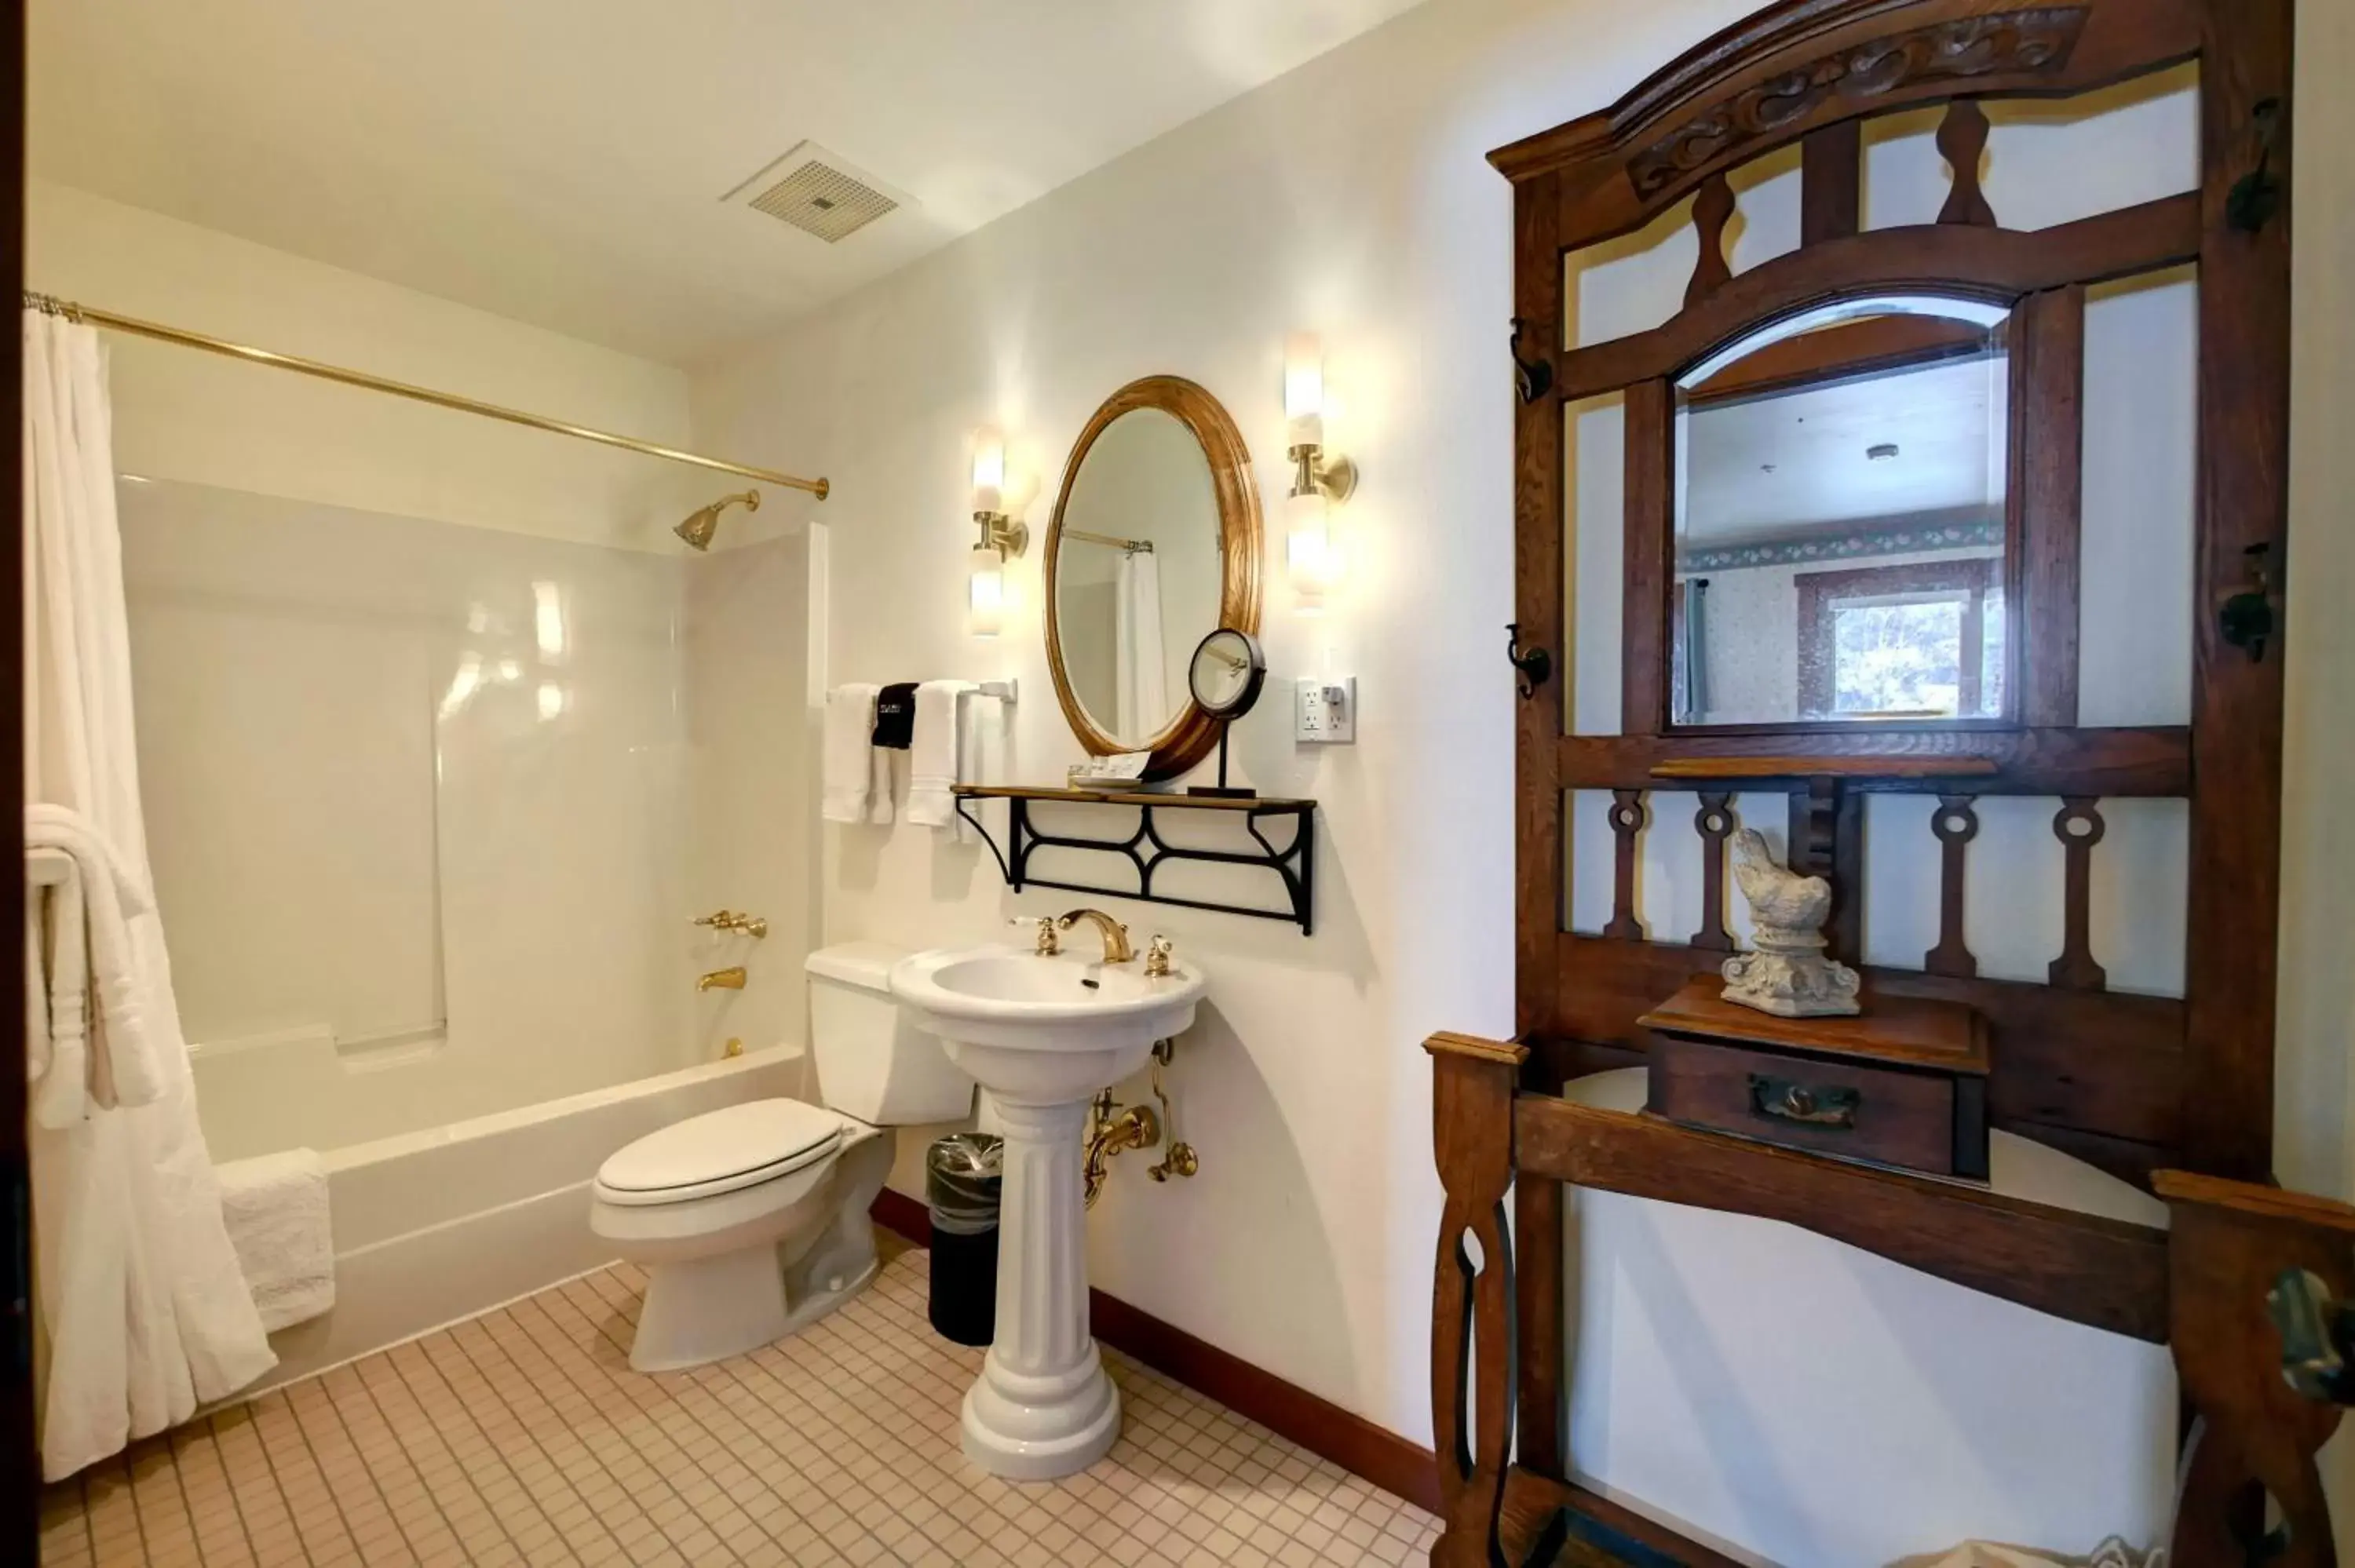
[1139, 667]
[143, 1310]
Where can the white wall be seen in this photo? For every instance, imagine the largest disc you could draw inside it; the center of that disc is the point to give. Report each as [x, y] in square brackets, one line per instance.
[183, 414]
[2315, 1091]
[419, 800]
[750, 817]
[1352, 197]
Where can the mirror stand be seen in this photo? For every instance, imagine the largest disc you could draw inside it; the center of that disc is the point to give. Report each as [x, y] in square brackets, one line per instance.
[1221, 790]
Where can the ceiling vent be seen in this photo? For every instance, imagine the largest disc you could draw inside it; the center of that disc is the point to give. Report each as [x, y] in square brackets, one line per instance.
[818, 194]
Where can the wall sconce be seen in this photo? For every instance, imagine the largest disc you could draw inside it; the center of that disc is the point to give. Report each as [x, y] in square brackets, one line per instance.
[1311, 560]
[1003, 538]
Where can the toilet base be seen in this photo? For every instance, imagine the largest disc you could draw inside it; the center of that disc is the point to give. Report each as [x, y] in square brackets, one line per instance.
[709, 1308]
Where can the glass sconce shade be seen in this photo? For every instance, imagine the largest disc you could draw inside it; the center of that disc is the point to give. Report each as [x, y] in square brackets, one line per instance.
[985, 592]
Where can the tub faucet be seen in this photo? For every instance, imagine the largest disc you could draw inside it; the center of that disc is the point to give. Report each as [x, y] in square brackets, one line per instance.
[723, 980]
[1117, 949]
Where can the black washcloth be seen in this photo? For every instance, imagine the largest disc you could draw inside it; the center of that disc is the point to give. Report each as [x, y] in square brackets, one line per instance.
[895, 715]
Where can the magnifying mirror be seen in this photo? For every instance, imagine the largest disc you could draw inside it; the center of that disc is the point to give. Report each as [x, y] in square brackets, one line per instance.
[1225, 675]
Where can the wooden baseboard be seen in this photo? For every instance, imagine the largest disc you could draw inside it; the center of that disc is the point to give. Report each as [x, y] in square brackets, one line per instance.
[1372, 1453]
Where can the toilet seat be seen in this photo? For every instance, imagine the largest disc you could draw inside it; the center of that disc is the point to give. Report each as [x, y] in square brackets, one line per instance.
[721, 1151]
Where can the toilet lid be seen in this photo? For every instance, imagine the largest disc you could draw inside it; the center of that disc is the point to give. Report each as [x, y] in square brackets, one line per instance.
[722, 1150]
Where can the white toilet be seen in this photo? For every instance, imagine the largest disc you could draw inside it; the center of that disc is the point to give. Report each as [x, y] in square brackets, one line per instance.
[752, 1220]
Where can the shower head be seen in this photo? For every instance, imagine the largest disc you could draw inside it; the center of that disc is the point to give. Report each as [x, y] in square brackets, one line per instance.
[704, 521]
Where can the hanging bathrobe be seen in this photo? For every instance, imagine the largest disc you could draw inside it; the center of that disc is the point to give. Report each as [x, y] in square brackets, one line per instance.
[1140, 670]
[143, 1310]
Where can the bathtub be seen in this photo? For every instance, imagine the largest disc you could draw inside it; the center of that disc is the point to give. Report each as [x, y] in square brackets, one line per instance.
[438, 1225]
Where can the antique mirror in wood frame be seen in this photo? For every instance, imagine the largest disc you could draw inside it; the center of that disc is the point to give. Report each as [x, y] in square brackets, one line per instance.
[1844, 530]
[2127, 1082]
[1229, 508]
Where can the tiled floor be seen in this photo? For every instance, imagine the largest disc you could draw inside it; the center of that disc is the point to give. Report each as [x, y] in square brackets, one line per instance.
[523, 1436]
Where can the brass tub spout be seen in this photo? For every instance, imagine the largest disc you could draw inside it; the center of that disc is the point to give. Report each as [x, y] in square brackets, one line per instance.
[723, 980]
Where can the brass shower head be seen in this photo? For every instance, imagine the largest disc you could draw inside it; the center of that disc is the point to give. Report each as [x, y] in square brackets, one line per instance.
[704, 520]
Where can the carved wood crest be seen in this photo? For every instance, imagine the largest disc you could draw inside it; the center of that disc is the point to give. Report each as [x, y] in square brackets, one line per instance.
[2004, 43]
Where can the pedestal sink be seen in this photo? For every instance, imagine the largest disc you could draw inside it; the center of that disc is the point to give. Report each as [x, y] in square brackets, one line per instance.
[1042, 1036]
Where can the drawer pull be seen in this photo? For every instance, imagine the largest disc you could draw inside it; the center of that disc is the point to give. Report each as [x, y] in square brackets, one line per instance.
[1788, 1101]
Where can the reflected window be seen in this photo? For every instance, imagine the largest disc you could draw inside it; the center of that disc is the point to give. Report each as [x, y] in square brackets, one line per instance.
[1919, 642]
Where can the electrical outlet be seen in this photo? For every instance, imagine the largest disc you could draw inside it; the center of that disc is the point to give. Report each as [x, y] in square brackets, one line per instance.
[1324, 710]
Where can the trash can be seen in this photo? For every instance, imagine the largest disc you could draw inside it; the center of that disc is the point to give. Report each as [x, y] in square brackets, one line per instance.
[961, 1176]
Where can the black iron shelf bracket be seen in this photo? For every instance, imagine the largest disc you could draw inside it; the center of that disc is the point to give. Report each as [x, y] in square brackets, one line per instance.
[1147, 851]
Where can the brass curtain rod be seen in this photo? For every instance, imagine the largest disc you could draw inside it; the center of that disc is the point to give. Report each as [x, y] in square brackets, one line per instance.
[71, 311]
[1131, 545]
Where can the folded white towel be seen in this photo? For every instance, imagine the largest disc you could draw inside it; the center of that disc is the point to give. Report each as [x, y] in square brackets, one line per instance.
[104, 1047]
[848, 761]
[275, 1206]
[936, 754]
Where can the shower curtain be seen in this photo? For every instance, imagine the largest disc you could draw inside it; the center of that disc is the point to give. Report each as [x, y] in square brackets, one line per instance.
[1142, 692]
[142, 1308]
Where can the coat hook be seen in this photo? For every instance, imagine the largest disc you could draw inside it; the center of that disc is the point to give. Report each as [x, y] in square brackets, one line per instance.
[2256, 195]
[2245, 620]
[1535, 664]
[1533, 379]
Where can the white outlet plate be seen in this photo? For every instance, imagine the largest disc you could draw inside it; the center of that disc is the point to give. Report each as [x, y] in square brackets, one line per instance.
[1324, 710]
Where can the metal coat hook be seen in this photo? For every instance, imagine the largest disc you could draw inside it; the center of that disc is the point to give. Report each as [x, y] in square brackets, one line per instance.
[2245, 620]
[1536, 664]
[1533, 379]
[2258, 195]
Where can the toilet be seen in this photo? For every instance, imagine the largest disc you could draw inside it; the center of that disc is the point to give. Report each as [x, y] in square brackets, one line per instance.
[750, 1221]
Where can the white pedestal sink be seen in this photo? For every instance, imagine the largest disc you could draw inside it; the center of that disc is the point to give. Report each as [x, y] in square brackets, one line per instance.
[1042, 1036]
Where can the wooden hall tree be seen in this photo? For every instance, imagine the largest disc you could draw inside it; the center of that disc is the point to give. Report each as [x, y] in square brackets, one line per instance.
[2173, 1094]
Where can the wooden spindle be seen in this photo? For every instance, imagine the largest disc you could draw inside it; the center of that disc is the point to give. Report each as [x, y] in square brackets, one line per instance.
[1957, 823]
[1828, 840]
[2079, 827]
[1712, 211]
[1714, 822]
[1627, 819]
[1831, 183]
[1962, 141]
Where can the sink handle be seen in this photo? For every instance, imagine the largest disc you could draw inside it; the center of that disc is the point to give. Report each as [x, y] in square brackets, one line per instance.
[1046, 941]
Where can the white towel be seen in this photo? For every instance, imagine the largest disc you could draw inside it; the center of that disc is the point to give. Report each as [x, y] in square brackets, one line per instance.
[937, 762]
[56, 989]
[852, 766]
[103, 1046]
[275, 1206]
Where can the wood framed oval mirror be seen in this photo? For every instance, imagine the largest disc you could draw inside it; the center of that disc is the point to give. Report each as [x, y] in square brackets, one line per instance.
[1153, 544]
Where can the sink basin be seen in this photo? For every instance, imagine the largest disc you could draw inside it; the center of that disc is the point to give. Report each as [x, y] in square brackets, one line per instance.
[1042, 1036]
[1039, 1028]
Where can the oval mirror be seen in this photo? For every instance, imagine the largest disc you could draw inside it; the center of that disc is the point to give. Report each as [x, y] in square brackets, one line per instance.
[1842, 518]
[1155, 544]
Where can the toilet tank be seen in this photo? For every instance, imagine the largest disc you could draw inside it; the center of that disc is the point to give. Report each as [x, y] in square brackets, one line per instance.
[871, 1063]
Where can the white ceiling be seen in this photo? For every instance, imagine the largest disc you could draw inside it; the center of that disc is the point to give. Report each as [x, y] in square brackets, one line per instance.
[1764, 467]
[561, 161]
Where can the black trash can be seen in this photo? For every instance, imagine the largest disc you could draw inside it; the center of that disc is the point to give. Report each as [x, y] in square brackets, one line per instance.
[961, 1175]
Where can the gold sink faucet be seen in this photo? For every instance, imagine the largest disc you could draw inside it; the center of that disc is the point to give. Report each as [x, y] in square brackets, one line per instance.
[723, 980]
[1117, 949]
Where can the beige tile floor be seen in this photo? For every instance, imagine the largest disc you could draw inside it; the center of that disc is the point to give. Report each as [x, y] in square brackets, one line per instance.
[523, 1436]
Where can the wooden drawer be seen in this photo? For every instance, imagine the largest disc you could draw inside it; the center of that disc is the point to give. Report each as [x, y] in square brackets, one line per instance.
[1904, 1084]
[1883, 1114]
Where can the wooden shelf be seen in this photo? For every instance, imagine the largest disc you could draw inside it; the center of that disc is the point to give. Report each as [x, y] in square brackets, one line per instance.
[1293, 866]
[1135, 798]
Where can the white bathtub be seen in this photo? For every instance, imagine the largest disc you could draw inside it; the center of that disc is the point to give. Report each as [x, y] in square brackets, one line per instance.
[435, 1226]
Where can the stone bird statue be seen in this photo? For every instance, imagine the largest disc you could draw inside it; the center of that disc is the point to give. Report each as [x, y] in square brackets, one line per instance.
[1788, 975]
